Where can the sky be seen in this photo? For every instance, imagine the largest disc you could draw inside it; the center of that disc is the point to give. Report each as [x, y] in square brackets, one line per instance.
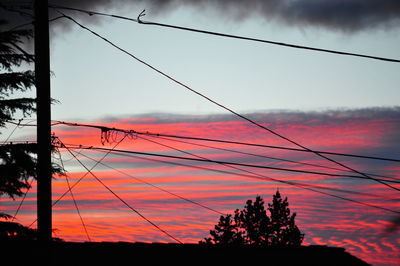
[323, 101]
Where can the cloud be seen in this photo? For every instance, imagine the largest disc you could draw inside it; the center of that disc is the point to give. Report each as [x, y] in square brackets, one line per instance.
[324, 219]
[338, 15]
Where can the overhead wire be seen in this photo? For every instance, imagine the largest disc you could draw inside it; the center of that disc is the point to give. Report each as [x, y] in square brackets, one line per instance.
[122, 200]
[91, 13]
[310, 187]
[207, 159]
[22, 201]
[74, 200]
[227, 108]
[264, 156]
[18, 125]
[242, 175]
[219, 34]
[55, 140]
[231, 163]
[12, 132]
[268, 41]
[154, 186]
[204, 158]
[131, 131]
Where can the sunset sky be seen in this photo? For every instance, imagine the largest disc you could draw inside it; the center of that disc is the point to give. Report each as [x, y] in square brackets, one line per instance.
[325, 102]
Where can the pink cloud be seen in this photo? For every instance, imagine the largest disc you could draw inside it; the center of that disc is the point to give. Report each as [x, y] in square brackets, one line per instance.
[324, 219]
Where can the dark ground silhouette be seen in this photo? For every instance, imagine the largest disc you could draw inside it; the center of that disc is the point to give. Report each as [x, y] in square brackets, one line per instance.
[123, 253]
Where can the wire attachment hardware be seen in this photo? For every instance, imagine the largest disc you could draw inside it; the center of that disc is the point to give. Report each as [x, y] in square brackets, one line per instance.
[142, 14]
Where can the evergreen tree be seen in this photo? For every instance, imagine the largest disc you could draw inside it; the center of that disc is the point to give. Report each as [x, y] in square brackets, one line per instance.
[17, 161]
[284, 231]
[11, 56]
[254, 222]
[253, 226]
[225, 233]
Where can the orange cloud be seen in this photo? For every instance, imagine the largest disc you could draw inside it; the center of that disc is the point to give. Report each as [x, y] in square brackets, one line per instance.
[142, 183]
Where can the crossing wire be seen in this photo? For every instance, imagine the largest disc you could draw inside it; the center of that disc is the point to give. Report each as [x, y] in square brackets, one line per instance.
[172, 138]
[56, 139]
[22, 201]
[122, 200]
[131, 131]
[73, 199]
[207, 159]
[152, 185]
[309, 187]
[237, 174]
[264, 156]
[296, 46]
[231, 163]
[13, 131]
[227, 108]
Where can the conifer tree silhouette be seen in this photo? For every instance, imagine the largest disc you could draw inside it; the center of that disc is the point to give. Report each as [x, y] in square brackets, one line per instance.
[284, 231]
[253, 226]
[254, 222]
[225, 233]
[17, 161]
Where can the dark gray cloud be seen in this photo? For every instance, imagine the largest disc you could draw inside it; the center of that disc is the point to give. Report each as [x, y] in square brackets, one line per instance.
[337, 15]
[298, 117]
[377, 127]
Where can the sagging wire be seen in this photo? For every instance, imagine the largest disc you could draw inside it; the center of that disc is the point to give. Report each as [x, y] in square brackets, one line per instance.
[13, 131]
[56, 144]
[81, 178]
[122, 200]
[251, 121]
[109, 135]
[22, 201]
[309, 187]
[152, 185]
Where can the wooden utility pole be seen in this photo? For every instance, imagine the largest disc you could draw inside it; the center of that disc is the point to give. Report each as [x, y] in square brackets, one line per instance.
[42, 79]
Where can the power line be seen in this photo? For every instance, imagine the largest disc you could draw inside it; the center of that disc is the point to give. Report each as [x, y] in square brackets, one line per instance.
[219, 34]
[264, 156]
[73, 199]
[228, 109]
[297, 184]
[77, 209]
[230, 166]
[12, 132]
[268, 41]
[152, 185]
[91, 13]
[103, 129]
[56, 141]
[131, 131]
[310, 187]
[31, 23]
[227, 163]
[122, 200]
[224, 107]
[300, 185]
[22, 201]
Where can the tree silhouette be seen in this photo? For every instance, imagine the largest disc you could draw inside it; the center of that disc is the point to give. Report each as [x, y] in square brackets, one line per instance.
[284, 230]
[254, 222]
[17, 161]
[16, 231]
[225, 233]
[253, 226]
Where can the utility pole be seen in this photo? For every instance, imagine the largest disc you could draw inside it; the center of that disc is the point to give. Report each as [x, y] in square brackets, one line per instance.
[42, 80]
